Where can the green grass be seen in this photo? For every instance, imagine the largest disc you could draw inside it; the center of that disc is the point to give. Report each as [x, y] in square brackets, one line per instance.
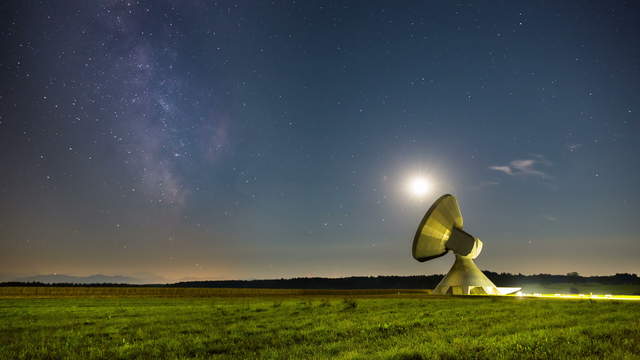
[336, 325]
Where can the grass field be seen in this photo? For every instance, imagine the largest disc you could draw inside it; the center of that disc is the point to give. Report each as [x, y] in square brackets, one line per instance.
[248, 324]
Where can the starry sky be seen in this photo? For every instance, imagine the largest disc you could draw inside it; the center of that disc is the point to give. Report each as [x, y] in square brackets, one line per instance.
[173, 140]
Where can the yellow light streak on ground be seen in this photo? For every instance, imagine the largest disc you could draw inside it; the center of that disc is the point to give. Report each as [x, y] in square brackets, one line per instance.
[579, 296]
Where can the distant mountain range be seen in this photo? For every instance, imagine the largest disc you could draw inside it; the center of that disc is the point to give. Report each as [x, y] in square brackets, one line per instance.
[91, 279]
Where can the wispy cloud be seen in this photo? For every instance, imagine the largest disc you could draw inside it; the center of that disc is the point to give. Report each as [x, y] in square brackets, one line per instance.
[524, 167]
[505, 169]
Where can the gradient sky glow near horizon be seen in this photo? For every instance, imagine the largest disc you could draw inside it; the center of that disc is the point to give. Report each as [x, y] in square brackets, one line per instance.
[172, 140]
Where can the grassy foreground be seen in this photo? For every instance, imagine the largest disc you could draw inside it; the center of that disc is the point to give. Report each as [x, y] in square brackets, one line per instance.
[335, 325]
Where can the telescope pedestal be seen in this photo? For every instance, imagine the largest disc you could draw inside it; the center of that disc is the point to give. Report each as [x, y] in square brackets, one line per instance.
[465, 278]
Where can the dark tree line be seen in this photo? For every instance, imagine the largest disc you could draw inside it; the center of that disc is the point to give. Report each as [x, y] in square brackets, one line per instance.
[370, 282]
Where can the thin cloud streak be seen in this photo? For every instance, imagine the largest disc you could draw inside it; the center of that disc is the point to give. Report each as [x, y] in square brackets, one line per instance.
[523, 167]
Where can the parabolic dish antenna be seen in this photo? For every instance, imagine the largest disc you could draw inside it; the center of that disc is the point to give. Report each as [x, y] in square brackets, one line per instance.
[440, 231]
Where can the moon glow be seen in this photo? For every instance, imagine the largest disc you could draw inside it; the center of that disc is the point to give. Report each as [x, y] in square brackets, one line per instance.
[419, 186]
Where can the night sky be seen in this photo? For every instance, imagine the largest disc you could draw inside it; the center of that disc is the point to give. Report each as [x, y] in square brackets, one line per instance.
[236, 140]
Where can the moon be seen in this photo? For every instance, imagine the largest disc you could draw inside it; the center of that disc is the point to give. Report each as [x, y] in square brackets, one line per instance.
[419, 186]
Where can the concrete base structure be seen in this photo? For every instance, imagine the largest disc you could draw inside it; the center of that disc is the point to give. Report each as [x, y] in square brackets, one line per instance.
[465, 278]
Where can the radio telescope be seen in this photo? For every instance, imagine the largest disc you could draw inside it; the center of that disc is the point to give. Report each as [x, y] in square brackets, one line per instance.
[440, 231]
